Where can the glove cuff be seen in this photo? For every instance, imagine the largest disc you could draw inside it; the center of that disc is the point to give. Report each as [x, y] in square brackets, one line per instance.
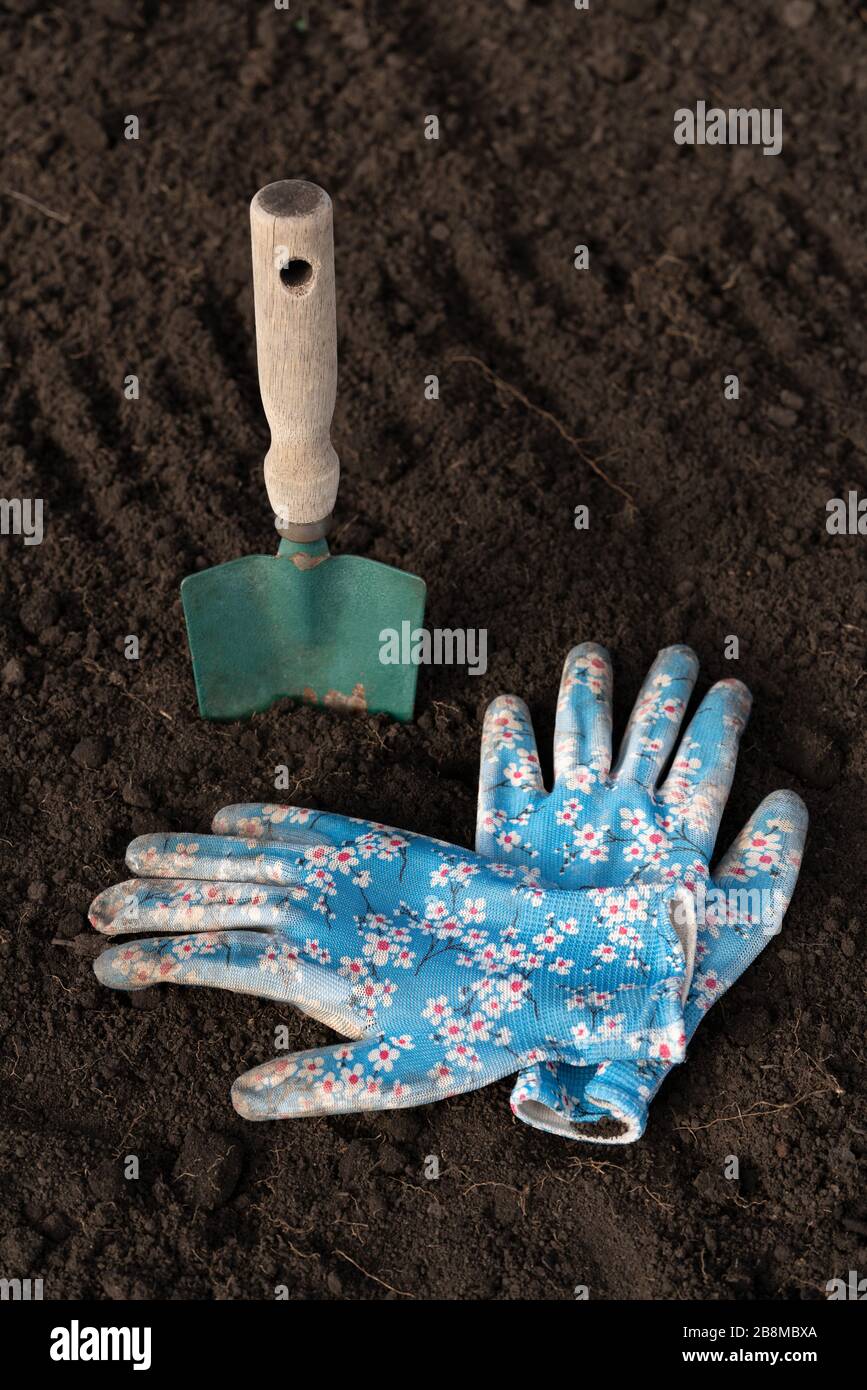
[586, 1109]
[608, 1103]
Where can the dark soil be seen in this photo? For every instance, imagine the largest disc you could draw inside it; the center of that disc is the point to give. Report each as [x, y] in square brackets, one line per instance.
[555, 129]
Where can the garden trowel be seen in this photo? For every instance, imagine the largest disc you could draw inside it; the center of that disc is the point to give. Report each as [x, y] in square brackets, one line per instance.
[302, 623]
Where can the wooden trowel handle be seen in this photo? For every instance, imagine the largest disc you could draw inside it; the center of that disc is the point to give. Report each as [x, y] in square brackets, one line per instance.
[296, 343]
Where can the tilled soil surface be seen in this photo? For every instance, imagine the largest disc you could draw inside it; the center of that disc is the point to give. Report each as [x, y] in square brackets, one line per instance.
[454, 258]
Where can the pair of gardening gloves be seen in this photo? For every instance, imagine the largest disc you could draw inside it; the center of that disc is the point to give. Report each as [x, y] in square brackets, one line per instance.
[579, 947]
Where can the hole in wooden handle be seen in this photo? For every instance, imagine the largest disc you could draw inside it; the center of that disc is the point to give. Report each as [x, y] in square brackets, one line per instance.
[296, 276]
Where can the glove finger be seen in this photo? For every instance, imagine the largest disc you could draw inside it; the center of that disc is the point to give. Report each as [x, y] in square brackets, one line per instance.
[582, 733]
[256, 820]
[701, 776]
[315, 834]
[224, 857]
[657, 715]
[183, 905]
[374, 1073]
[255, 963]
[752, 888]
[509, 774]
[767, 856]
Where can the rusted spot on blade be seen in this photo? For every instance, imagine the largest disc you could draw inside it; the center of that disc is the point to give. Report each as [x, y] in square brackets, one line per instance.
[335, 699]
[307, 562]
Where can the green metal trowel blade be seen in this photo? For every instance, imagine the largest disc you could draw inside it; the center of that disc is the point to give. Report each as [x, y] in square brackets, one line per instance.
[260, 629]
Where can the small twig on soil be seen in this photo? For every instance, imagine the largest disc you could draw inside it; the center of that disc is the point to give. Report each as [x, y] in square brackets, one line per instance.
[302, 1254]
[544, 415]
[341, 530]
[130, 1130]
[403, 1293]
[599, 1165]
[414, 1187]
[440, 704]
[94, 666]
[740, 1202]
[40, 207]
[654, 1197]
[679, 333]
[818, 1066]
[827, 1075]
[760, 1110]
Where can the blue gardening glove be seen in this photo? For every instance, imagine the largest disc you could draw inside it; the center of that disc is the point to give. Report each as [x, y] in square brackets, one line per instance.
[433, 958]
[618, 828]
